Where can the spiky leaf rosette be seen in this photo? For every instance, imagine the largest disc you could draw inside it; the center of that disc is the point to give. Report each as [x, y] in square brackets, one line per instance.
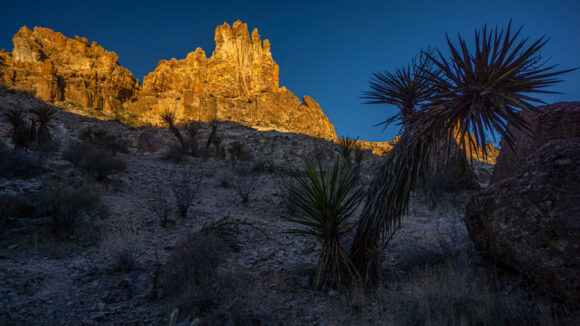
[407, 88]
[325, 199]
[482, 90]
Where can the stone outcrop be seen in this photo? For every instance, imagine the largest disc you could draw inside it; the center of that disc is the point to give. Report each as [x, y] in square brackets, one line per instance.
[57, 69]
[554, 121]
[238, 83]
[529, 221]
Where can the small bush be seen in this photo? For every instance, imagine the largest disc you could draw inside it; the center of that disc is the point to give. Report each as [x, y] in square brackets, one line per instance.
[185, 187]
[76, 151]
[101, 163]
[176, 152]
[101, 139]
[12, 206]
[245, 181]
[159, 205]
[68, 206]
[123, 253]
[191, 273]
[238, 152]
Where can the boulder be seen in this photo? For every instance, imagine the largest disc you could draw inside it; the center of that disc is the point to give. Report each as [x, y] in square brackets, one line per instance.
[148, 143]
[555, 121]
[529, 220]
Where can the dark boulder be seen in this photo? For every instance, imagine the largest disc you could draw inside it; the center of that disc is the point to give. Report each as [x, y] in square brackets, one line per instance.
[554, 121]
[530, 219]
[148, 143]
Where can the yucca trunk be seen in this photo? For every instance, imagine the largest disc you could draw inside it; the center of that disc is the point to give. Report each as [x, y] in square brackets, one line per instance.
[334, 268]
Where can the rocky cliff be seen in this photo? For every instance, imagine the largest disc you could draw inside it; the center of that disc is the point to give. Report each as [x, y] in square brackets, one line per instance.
[58, 69]
[238, 83]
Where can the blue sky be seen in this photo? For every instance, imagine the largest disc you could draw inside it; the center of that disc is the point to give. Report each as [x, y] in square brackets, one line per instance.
[327, 50]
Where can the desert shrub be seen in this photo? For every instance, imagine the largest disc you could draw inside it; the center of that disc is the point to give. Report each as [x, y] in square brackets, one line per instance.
[245, 181]
[123, 254]
[101, 163]
[323, 201]
[238, 152]
[185, 186]
[191, 275]
[224, 179]
[23, 131]
[101, 139]
[13, 206]
[159, 205]
[19, 164]
[91, 140]
[76, 151]
[68, 206]
[176, 153]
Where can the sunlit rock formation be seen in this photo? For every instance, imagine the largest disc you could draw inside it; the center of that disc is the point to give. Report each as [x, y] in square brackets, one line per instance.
[238, 83]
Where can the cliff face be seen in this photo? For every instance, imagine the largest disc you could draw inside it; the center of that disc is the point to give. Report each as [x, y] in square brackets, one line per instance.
[58, 69]
[238, 83]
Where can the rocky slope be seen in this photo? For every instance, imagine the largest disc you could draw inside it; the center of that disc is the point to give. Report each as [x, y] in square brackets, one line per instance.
[238, 83]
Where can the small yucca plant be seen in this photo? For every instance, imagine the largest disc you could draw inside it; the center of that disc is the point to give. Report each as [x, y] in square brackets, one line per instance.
[22, 130]
[324, 200]
[44, 115]
[346, 146]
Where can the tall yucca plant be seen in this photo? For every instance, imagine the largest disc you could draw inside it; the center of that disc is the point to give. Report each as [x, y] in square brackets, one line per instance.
[44, 115]
[324, 201]
[478, 91]
[481, 91]
[169, 118]
[407, 88]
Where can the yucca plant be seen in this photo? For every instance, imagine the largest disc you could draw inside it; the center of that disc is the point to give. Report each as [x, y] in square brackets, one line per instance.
[407, 88]
[44, 115]
[346, 146]
[324, 201]
[169, 118]
[481, 91]
[22, 130]
[211, 138]
[360, 154]
[478, 91]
